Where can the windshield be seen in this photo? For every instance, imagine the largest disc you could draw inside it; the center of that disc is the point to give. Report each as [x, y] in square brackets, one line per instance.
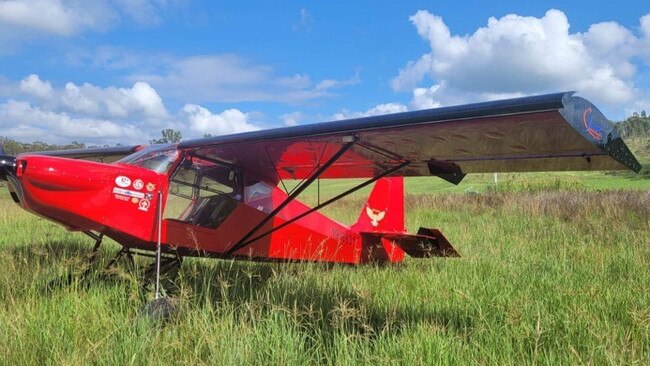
[156, 158]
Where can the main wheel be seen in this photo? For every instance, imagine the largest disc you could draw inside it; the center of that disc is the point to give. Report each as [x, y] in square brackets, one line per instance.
[160, 309]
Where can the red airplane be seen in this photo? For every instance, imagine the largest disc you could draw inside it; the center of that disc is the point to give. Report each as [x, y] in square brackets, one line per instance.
[223, 196]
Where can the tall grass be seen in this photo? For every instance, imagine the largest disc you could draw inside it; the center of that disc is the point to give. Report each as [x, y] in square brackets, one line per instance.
[546, 277]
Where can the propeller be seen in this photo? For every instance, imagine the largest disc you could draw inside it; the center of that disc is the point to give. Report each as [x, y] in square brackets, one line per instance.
[7, 164]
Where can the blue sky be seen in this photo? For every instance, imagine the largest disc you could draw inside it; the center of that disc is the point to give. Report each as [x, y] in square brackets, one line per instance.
[100, 71]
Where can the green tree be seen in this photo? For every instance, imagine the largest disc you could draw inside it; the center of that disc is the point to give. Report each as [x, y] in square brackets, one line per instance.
[13, 147]
[638, 125]
[169, 135]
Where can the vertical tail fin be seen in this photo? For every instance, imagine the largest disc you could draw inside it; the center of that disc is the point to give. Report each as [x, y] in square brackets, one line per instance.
[384, 210]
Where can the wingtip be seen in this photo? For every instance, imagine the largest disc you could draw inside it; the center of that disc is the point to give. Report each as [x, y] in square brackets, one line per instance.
[592, 124]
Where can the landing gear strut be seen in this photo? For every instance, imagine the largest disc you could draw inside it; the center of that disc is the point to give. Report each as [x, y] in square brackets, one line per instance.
[161, 308]
[165, 267]
[170, 264]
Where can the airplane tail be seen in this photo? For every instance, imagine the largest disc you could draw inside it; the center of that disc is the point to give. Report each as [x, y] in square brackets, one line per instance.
[384, 237]
[384, 210]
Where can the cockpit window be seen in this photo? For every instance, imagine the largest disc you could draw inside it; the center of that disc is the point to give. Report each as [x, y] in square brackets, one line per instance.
[203, 191]
[209, 177]
[156, 158]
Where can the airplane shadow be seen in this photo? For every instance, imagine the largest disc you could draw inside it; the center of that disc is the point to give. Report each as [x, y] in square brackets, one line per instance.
[58, 264]
[319, 310]
[51, 251]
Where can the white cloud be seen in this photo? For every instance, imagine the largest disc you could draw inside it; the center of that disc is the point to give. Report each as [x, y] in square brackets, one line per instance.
[79, 100]
[7, 87]
[48, 16]
[33, 85]
[412, 74]
[332, 83]
[517, 55]
[56, 17]
[292, 119]
[424, 98]
[386, 108]
[141, 100]
[231, 78]
[645, 39]
[305, 21]
[211, 78]
[144, 12]
[25, 122]
[432, 97]
[203, 121]
[23, 20]
[95, 115]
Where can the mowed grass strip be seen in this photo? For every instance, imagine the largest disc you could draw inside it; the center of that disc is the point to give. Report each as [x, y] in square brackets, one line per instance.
[545, 277]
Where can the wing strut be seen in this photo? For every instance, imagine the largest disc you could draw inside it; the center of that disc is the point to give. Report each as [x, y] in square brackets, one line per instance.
[331, 200]
[243, 241]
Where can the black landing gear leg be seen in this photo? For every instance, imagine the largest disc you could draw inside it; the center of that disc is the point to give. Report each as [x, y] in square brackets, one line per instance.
[124, 252]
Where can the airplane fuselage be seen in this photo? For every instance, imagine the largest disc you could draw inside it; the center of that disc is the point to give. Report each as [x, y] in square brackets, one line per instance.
[208, 208]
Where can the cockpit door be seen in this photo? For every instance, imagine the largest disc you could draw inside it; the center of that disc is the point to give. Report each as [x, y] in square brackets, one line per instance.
[203, 192]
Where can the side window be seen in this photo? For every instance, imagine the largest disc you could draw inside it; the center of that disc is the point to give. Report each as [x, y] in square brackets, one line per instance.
[259, 196]
[218, 179]
[203, 192]
[181, 193]
[183, 182]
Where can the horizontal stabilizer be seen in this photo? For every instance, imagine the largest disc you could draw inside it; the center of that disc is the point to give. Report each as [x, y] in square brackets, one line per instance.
[427, 243]
[381, 247]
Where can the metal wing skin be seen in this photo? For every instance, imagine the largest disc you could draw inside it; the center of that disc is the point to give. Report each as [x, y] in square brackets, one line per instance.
[100, 154]
[539, 133]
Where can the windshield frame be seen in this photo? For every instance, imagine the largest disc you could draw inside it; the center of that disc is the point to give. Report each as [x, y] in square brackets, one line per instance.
[140, 158]
[237, 188]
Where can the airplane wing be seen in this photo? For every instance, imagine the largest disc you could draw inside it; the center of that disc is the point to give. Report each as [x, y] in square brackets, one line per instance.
[101, 154]
[541, 133]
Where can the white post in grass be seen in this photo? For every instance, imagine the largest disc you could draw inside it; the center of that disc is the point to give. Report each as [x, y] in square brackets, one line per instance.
[496, 181]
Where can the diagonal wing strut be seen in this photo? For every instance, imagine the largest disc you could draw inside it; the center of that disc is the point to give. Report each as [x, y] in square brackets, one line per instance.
[247, 240]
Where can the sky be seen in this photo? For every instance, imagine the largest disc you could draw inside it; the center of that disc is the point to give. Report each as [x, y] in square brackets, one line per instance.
[119, 71]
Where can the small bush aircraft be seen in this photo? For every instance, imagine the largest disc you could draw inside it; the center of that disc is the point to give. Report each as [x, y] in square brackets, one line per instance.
[222, 196]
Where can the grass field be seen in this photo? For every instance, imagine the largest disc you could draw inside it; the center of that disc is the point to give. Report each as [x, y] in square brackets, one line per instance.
[554, 270]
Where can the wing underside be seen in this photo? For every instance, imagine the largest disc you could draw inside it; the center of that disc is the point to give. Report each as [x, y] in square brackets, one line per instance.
[546, 133]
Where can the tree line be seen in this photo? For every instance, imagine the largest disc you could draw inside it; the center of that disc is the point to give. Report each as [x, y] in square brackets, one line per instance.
[13, 147]
[637, 125]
